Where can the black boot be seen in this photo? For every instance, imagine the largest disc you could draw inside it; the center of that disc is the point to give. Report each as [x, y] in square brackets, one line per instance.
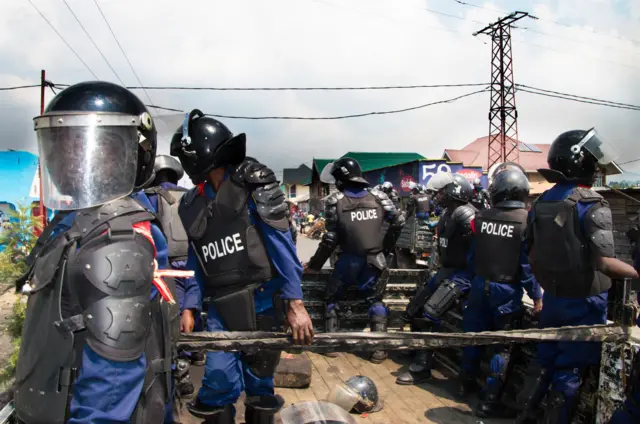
[379, 324]
[262, 409]
[198, 359]
[468, 384]
[419, 370]
[491, 405]
[212, 414]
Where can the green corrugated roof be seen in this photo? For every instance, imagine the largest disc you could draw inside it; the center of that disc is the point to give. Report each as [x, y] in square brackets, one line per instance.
[319, 164]
[375, 160]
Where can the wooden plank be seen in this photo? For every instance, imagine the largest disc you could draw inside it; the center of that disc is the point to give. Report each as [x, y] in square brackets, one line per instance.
[307, 394]
[403, 406]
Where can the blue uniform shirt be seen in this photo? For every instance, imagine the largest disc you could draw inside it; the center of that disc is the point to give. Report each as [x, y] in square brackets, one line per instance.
[106, 391]
[282, 253]
[188, 290]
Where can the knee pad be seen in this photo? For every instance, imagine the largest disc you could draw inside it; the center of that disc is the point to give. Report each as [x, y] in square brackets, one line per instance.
[567, 381]
[442, 299]
[332, 318]
[263, 364]
[378, 309]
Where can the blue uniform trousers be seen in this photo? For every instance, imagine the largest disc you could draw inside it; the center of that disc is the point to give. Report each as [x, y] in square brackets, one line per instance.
[494, 309]
[567, 361]
[226, 375]
[353, 269]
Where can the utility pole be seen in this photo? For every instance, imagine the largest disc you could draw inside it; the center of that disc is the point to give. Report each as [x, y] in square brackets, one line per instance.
[503, 116]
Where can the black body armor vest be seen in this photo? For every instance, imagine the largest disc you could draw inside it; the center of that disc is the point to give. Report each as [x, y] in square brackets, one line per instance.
[360, 223]
[499, 234]
[91, 285]
[454, 237]
[230, 249]
[172, 228]
[561, 257]
[422, 203]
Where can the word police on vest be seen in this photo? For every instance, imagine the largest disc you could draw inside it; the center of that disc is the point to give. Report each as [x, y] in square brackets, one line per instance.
[444, 242]
[364, 215]
[223, 247]
[501, 230]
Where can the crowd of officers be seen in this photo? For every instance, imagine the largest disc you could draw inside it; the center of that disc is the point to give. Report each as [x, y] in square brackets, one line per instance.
[99, 337]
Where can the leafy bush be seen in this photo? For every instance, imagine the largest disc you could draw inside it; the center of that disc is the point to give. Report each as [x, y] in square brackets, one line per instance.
[18, 238]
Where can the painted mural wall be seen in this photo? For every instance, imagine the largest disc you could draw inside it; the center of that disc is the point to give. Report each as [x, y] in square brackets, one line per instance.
[421, 172]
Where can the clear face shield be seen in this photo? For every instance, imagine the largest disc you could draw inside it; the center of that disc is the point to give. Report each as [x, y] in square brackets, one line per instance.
[437, 183]
[604, 153]
[325, 175]
[87, 159]
[315, 413]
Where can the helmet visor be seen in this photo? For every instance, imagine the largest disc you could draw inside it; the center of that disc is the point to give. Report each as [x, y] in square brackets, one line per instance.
[439, 181]
[86, 165]
[326, 174]
[604, 153]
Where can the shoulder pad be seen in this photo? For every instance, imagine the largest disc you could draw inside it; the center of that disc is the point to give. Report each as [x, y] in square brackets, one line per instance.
[189, 196]
[587, 194]
[272, 208]
[464, 214]
[383, 199]
[333, 199]
[254, 173]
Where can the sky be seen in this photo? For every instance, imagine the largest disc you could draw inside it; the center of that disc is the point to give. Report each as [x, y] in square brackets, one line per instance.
[584, 47]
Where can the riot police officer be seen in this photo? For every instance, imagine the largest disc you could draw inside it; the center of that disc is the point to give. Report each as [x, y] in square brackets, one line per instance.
[245, 262]
[571, 251]
[480, 196]
[630, 412]
[499, 260]
[95, 342]
[418, 207]
[419, 203]
[165, 195]
[354, 218]
[452, 280]
[387, 188]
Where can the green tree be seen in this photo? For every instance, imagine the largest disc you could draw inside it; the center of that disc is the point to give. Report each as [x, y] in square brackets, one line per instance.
[18, 238]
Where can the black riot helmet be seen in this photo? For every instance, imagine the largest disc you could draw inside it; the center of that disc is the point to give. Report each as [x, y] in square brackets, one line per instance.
[343, 171]
[203, 143]
[509, 188]
[577, 156]
[167, 169]
[97, 143]
[450, 188]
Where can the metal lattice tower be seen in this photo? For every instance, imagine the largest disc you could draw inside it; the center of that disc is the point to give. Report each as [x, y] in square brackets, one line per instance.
[503, 116]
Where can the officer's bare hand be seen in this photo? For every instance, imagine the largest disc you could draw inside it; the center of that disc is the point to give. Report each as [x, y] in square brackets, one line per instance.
[299, 322]
[306, 269]
[537, 306]
[187, 321]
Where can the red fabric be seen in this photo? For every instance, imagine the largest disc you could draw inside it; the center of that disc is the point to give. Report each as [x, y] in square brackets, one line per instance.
[473, 225]
[584, 186]
[200, 189]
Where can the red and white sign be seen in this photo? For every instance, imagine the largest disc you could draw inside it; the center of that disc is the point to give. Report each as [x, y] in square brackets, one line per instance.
[406, 182]
[470, 174]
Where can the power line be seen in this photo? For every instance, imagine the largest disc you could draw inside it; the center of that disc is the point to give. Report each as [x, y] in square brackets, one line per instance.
[18, 87]
[93, 42]
[576, 96]
[576, 100]
[387, 87]
[62, 38]
[327, 118]
[122, 50]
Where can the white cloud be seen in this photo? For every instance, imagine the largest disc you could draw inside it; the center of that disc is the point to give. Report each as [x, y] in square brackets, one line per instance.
[333, 42]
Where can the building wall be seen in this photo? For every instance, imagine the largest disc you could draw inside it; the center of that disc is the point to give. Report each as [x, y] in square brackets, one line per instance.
[295, 190]
[535, 177]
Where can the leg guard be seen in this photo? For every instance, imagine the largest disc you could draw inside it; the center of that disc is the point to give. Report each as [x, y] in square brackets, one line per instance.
[262, 409]
[558, 410]
[442, 299]
[500, 365]
[183, 386]
[378, 323]
[332, 317]
[535, 386]
[213, 414]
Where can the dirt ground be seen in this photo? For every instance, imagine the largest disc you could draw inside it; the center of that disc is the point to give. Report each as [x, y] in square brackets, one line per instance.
[7, 299]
